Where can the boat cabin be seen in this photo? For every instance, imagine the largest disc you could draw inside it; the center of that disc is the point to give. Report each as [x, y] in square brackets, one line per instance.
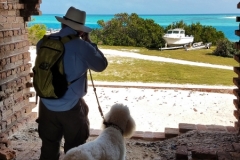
[175, 31]
[175, 37]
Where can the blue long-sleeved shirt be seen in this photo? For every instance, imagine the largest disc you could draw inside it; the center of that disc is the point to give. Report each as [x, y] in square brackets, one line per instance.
[79, 56]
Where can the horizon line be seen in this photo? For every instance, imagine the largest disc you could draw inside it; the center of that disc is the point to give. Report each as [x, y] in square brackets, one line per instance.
[148, 13]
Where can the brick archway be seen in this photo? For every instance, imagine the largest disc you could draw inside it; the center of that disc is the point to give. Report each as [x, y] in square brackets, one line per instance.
[15, 78]
[15, 107]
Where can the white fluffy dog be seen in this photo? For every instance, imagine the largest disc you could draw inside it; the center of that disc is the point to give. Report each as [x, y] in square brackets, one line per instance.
[109, 145]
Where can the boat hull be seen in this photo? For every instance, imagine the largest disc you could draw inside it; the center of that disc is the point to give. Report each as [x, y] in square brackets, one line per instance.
[173, 41]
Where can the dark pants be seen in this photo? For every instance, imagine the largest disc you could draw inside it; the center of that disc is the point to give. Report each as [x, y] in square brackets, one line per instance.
[73, 125]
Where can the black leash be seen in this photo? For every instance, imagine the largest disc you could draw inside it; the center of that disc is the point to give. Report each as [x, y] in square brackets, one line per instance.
[100, 109]
[94, 89]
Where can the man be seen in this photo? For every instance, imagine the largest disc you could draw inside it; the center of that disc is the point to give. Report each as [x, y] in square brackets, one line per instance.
[68, 116]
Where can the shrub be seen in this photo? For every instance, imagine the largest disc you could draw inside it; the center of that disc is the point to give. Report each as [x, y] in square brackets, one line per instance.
[129, 30]
[132, 30]
[36, 32]
[225, 48]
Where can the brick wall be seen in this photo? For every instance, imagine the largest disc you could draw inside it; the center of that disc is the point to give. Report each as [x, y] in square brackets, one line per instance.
[15, 107]
[236, 80]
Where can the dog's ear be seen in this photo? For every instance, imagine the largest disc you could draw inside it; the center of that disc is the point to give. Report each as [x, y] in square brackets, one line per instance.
[130, 128]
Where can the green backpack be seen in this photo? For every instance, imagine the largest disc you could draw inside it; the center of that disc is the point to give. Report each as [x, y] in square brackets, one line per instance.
[49, 78]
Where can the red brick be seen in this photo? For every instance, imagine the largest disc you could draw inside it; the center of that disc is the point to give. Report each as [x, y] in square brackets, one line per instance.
[19, 81]
[20, 56]
[13, 59]
[9, 73]
[185, 127]
[13, 71]
[201, 127]
[6, 154]
[3, 125]
[12, 13]
[15, 32]
[18, 114]
[34, 115]
[6, 142]
[10, 33]
[236, 146]
[12, 47]
[3, 136]
[215, 128]
[3, 19]
[28, 85]
[171, 132]
[16, 25]
[235, 155]
[159, 136]
[182, 153]
[4, 12]
[3, 62]
[224, 156]
[20, 6]
[236, 125]
[231, 129]
[138, 134]
[148, 135]
[204, 154]
[19, 19]
[11, 19]
[25, 148]
[23, 31]
[8, 60]
[5, 34]
[10, 6]
[236, 103]
[236, 114]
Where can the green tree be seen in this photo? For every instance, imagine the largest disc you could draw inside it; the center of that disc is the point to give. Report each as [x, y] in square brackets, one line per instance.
[129, 30]
[225, 48]
[36, 32]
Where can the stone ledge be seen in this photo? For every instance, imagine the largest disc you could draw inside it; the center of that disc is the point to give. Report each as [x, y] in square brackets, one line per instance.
[174, 132]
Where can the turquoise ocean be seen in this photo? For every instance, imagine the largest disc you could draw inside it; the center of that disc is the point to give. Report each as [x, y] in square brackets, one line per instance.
[222, 22]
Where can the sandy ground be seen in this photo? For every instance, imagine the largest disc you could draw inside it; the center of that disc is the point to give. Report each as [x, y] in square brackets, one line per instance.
[155, 109]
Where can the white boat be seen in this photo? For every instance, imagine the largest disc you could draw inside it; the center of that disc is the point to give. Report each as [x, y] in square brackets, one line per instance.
[177, 37]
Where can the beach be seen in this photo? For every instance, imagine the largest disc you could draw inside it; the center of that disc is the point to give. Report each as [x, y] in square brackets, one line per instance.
[155, 106]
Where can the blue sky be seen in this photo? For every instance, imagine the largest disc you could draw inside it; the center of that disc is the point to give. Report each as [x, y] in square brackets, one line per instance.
[141, 6]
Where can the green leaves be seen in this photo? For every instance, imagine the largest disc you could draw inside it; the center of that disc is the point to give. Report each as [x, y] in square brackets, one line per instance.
[36, 32]
[129, 30]
[225, 48]
[132, 30]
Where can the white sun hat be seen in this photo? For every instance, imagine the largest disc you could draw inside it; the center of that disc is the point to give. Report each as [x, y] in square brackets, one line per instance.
[75, 19]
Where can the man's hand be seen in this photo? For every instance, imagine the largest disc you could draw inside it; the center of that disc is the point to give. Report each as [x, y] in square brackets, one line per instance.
[85, 37]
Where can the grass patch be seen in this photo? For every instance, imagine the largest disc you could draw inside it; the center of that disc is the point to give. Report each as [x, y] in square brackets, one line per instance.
[201, 55]
[134, 70]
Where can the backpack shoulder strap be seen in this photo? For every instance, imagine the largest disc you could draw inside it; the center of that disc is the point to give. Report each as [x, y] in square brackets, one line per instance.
[68, 38]
[65, 40]
[45, 37]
